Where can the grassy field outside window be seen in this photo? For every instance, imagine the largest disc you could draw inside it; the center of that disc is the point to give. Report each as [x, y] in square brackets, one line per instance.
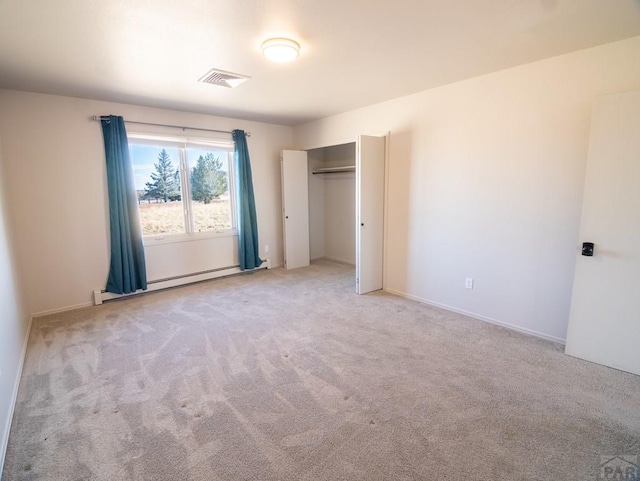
[183, 188]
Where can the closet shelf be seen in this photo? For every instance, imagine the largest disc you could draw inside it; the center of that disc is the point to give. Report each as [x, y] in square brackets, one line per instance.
[334, 170]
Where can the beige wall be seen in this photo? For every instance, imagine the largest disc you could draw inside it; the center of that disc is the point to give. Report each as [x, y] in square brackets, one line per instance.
[340, 217]
[485, 181]
[13, 320]
[340, 205]
[332, 205]
[54, 160]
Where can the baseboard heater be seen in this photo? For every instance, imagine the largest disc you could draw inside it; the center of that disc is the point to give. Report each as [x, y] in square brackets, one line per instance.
[101, 296]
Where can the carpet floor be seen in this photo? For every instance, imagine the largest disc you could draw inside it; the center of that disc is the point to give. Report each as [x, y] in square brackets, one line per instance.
[289, 375]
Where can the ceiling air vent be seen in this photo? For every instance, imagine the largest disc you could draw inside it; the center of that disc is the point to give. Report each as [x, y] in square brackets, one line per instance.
[222, 78]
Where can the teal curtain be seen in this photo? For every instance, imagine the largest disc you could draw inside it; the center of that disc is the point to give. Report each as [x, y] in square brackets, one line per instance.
[248, 247]
[127, 271]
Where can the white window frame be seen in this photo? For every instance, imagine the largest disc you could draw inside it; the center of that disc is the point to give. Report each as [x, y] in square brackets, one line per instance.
[182, 144]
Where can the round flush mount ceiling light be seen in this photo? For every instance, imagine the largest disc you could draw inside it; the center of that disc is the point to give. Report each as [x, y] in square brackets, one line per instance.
[281, 50]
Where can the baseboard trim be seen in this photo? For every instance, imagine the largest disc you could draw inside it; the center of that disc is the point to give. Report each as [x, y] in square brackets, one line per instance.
[14, 398]
[62, 309]
[340, 260]
[333, 259]
[480, 317]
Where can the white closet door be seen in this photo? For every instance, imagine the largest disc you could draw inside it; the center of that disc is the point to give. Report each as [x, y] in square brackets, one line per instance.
[604, 325]
[295, 208]
[369, 213]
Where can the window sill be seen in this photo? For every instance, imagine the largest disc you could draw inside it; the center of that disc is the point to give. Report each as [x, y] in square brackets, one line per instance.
[160, 239]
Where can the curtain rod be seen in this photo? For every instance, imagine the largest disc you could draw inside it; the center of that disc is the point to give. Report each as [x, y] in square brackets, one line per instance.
[100, 117]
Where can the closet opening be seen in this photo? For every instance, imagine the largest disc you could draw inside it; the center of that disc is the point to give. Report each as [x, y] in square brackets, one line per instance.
[333, 207]
[332, 203]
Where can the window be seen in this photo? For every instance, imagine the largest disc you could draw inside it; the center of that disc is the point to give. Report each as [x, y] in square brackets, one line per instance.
[184, 186]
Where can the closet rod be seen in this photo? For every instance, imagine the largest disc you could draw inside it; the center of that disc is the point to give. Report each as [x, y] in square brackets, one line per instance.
[334, 170]
[100, 117]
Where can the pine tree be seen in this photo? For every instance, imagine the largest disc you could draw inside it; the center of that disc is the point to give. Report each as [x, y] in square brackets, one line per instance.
[208, 180]
[165, 183]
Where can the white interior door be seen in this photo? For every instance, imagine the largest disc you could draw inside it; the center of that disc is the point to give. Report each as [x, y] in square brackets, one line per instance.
[604, 325]
[295, 208]
[369, 213]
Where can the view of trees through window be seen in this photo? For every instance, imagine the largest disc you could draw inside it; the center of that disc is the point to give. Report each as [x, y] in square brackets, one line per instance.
[166, 205]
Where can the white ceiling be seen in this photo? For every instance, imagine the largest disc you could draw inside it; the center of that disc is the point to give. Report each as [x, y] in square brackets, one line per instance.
[354, 52]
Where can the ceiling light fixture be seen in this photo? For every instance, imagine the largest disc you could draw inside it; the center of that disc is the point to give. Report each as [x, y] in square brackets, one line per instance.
[281, 49]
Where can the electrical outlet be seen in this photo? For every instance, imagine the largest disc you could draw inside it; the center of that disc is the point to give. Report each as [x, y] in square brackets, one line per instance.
[468, 283]
[266, 248]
